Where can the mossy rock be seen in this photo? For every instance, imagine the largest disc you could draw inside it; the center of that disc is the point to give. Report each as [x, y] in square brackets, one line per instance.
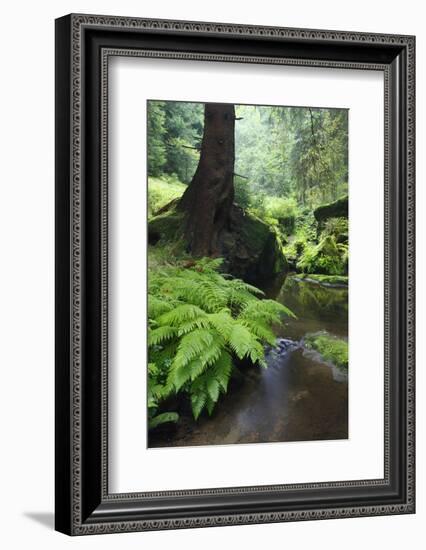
[336, 209]
[287, 224]
[325, 280]
[330, 347]
[166, 227]
[252, 249]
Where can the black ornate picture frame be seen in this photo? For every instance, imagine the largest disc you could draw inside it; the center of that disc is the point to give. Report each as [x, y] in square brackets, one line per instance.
[84, 43]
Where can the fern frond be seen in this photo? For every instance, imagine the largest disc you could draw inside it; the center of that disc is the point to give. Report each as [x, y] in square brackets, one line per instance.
[152, 368]
[188, 326]
[268, 311]
[257, 354]
[161, 334]
[184, 312]
[157, 306]
[156, 391]
[208, 358]
[222, 321]
[212, 353]
[213, 388]
[277, 307]
[212, 296]
[222, 369]
[198, 401]
[241, 340]
[261, 330]
[209, 405]
[209, 265]
[242, 286]
[192, 345]
[180, 374]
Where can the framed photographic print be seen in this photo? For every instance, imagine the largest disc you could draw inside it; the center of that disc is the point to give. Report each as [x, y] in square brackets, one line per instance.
[234, 274]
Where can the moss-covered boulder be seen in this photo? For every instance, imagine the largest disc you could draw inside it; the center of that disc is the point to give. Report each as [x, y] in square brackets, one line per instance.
[336, 209]
[167, 226]
[251, 249]
[325, 280]
[330, 347]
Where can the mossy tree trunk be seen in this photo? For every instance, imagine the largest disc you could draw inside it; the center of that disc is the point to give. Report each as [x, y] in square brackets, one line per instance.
[208, 199]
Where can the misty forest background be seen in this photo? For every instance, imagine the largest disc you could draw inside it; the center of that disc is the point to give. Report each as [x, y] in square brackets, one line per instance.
[237, 195]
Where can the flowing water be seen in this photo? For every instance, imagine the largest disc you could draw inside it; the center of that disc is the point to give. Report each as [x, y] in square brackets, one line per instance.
[298, 397]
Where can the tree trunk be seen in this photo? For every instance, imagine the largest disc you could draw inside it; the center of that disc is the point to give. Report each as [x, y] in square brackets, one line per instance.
[208, 199]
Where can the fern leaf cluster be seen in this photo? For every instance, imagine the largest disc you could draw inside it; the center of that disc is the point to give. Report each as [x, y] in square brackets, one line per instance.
[199, 322]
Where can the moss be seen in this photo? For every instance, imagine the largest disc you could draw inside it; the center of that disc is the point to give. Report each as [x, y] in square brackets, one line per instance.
[326, 280]
[329, 347]
[339, 228]
[166, 255]
[161, 191]
[254, 232]
[327, 257]
[336, 209]
[166, 227]
[264, 247]
[280, 263]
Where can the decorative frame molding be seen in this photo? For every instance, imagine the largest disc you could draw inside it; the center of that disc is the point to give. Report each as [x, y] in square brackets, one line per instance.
[84, 44]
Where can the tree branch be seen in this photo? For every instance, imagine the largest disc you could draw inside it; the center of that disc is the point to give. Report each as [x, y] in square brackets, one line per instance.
[190, 147]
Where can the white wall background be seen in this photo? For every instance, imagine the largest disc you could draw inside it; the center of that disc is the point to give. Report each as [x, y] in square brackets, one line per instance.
[26, 289]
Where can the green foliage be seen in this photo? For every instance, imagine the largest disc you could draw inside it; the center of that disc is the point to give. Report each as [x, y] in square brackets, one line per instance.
[156, 133]
[327, 257]
[157, 391]
[281, 208]
[319, 156]
[298, 151]
[275, 210]
[329, 347]
[161, 191]
[199, 322]
[304, 235]
[175, 131]
[242, 192]
[262, 148]
[337, 227]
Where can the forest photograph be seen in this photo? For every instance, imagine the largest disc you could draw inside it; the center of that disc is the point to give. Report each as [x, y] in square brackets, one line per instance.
[248, 273]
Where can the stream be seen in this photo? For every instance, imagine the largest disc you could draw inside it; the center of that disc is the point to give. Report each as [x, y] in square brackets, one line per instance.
[298, 397]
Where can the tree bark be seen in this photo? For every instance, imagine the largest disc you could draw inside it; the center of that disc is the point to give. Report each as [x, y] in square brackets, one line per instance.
[208, 199]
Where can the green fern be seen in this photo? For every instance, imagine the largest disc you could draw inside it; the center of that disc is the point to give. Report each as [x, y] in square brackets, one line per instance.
[192, 345]
[222, 369]
[184, 312]
[160, 335]
[241, 340]
[157, 306]
[200, 321]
